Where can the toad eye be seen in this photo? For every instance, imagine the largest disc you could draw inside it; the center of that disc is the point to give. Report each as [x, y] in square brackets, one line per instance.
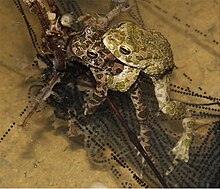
[124, 50]
[92, 54]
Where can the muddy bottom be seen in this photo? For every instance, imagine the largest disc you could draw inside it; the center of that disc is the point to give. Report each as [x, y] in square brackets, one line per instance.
[42, 156]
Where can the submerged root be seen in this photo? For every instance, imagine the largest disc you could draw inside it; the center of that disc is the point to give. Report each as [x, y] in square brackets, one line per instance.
[46, 92]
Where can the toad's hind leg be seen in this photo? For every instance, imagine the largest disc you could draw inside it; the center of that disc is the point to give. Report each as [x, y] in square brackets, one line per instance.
[174, 108]
[141, 111]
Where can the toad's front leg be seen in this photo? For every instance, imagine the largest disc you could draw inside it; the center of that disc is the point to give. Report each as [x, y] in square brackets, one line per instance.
[141, 114]
[100, 92]
[102, 21]
[138, 103]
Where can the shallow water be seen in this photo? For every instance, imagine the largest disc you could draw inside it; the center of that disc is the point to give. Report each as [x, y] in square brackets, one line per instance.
[41, 156]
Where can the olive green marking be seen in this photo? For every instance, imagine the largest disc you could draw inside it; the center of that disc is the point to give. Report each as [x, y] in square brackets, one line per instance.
[110, 80]
[190, 124]
[85, 58]
[120, 85]
[139, 57]
[117, 54]
[135, 77]
[79, 53]
[84, 46]
[129, 29]
[136, 62]
[187, 142]
[111, 44]
[128, 58]
[101, 92]
[139, 32]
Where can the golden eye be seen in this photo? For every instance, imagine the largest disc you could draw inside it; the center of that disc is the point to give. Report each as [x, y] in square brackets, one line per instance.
[92, 54]
[124, 50]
